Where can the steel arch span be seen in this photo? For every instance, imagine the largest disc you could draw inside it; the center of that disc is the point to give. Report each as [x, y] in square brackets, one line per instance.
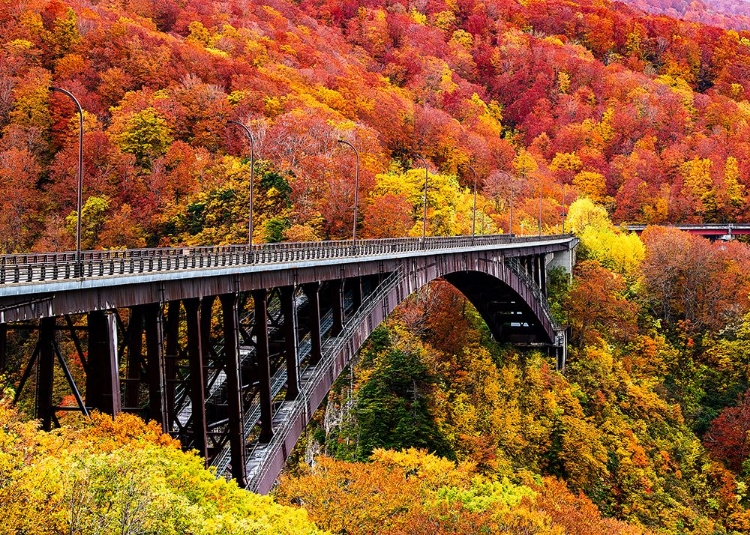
[505, 294]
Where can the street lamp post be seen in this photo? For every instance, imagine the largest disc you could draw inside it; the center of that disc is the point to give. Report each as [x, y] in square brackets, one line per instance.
[252, 179]
[356, 190]
[540, 209]
[474, 214]
[79, 200]
[510, 223]
[424, 200]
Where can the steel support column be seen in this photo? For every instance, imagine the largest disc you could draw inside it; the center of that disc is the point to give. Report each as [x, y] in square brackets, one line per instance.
[103, 378]
[538, 269]
[337, 303]
[171, 354]
[290, 342]
[197, 383]
[260, 300]
[135, 354]
[229, 304]
[356, 284]
[312, 291]
[45, 372]
[207, 306]
[157, 372]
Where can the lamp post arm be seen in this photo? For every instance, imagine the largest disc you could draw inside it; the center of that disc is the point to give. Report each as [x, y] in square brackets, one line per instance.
[79, 198]
[252, 178]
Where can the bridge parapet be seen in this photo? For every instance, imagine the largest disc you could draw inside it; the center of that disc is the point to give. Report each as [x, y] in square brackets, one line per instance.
[22, 269]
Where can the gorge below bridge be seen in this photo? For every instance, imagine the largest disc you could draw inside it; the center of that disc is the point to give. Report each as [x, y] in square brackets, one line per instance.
[231, 349]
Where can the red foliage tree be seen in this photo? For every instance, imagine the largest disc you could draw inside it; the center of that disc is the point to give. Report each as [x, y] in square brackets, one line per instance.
[727, 437]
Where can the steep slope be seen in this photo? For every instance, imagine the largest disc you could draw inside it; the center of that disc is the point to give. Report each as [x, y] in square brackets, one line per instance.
[644, 113]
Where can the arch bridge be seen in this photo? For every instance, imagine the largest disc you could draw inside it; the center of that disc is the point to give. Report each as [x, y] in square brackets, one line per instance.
[232, 349]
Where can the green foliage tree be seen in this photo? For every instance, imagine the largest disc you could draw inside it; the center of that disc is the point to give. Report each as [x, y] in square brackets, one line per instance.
[392, 408]
[145, 134]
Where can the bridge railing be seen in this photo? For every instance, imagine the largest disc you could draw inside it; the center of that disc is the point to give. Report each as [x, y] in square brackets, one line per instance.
[300, 405]
[40, 267]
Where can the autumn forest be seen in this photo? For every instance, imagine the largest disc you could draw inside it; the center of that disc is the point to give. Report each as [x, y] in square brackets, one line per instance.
[574, 116]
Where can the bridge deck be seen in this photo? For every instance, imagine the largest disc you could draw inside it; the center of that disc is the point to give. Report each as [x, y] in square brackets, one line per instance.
[703, 229]
[35, 273]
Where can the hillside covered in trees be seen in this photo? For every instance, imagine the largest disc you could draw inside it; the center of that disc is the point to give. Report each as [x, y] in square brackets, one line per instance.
[645, 114]
[590, 111]
[649, 422]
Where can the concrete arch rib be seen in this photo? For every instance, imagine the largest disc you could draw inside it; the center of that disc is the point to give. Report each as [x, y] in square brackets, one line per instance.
[505, 301]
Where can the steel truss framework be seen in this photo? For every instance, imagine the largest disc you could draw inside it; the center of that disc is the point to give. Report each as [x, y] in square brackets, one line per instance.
[233, 360]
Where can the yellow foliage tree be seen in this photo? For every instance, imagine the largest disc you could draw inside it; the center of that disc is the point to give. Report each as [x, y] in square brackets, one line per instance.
[592, 185]
[121, 476]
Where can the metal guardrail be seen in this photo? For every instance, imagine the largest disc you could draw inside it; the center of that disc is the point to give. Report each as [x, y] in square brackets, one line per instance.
[692, 226]
[41, 267]
[299, 405]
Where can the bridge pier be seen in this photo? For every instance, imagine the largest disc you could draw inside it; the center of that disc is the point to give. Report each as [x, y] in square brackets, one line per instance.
[565, 259]
[312, 291]
[156, 366]
[3, 346]
[336, 294]
[46, 373]
[197, 383]
[289, 310]
[133, 371]
[230, 314]
[103, 377]
[171, 355]
[260, 300]
[356, 288]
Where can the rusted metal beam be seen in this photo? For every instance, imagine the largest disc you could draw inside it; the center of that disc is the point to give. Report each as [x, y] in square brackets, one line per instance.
[103, 379]
[45, 373]
[229, 306]
[77, 341]
[197, 382]
[312, 291]
[71, 381]
[260, 300]
[290, 341]
[156, 364]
